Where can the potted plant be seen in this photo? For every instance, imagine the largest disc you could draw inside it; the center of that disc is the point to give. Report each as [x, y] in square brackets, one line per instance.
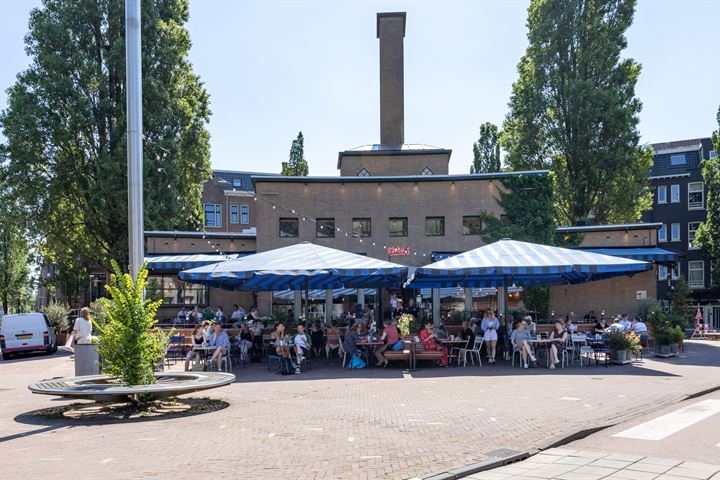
[677, 335]
[663, 341]
[406, 325]
[57, 315]
[623, 346]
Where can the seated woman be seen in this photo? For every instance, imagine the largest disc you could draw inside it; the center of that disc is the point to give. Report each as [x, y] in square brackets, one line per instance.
[333, 339]
[601, 325]
[520, 339]
[282, 348]
[245, 340]
[559, 335]
[428, 337]
[221, 342]
[352, 338]
[197, 339]
[317, 338]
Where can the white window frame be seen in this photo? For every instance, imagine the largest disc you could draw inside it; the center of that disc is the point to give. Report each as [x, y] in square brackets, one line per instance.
[217, 213]
[234, 213]
[244, 214]
[662, 198]
[693, 267]
[237, 182]
[673, 237]
[663, 272]
[696, 206]
[691, 235]
[662, 233]
[675, 193]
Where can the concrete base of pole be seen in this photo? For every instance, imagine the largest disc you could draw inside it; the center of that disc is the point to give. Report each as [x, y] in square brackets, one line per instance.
[86, 360]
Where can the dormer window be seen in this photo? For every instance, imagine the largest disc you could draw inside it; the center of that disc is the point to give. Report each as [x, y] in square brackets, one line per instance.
[237, 182]
[426, 171]
[678, 159]
[363, 173]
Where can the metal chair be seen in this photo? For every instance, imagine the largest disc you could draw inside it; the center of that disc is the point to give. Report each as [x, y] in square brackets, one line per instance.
[174, 349]
[473, 352]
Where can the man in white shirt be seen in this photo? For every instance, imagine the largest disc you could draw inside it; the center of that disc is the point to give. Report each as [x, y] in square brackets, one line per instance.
[220, 314]
[237, 316]
[182, 315]
[625, 321]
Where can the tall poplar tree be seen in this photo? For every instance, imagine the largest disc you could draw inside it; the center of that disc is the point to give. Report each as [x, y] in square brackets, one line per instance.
[296, 165]
[708, 235]
[574, 111]
[486, 151]
[66, 128]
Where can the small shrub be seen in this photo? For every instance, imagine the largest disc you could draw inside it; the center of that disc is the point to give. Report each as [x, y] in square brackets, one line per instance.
[624, 341]
[57, 314]
[130, 344]
[407, 325]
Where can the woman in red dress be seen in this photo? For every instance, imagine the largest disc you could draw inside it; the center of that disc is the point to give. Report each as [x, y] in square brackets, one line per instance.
[427, 337]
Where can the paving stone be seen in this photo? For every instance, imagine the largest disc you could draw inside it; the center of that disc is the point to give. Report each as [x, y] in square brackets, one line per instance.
[489, 475]
[605, 462]
[691, 473]
[559, 451]
[641, 466]
[625, 457]
[575, 460]
[633, 475]
[662, 461]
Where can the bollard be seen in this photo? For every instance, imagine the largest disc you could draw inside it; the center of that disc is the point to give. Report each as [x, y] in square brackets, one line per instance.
[86, 359]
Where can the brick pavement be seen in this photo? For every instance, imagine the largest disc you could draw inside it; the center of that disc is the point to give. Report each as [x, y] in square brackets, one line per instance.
[570, 464]
[337, 424]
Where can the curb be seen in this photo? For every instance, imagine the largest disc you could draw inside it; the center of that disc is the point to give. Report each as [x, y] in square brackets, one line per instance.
[555, 442]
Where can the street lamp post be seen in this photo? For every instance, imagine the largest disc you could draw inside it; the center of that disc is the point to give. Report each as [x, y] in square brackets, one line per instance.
[133, 66]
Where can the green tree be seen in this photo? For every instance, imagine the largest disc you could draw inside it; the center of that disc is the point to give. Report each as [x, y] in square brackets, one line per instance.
[65, 127]
[708, 235]
[573, 110]
[486, 151]
[130, 343]
[296, 165]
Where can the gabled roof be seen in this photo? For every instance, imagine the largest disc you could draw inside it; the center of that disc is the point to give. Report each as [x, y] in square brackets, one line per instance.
[694, 150]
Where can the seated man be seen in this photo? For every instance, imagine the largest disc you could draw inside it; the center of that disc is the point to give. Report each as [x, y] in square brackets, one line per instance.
[520, 338]
[625, 322]
[639, 327]
[617, 325]
[220, 340]
[390, 336]
[302, 342]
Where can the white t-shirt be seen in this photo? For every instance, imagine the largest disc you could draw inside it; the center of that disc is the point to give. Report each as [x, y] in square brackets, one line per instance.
[301, 340]
[640, 327]
[84, 330]
[237, 315]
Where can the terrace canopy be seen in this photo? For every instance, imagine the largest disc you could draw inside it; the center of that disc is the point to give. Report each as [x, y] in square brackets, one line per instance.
[302, 266]
[507, 262]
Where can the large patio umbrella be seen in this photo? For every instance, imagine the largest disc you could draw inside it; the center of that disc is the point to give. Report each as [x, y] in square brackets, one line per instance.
[508, 262]
[302, 266]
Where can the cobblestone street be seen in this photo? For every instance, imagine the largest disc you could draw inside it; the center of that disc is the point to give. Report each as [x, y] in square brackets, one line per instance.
[333, 423]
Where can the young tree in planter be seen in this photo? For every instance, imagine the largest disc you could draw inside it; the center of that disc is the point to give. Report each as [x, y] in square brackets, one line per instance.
[130, 344]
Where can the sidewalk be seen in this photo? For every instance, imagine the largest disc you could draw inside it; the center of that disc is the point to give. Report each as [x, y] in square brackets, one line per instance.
[568, 464]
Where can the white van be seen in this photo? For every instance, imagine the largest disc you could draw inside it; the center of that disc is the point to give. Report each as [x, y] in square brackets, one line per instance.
[26, 332]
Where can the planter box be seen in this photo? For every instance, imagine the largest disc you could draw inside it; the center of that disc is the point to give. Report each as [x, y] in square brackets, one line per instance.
[666, 351]
[62, 339]
[621, 357]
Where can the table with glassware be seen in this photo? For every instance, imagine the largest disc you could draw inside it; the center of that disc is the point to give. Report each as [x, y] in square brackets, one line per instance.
[453, 345]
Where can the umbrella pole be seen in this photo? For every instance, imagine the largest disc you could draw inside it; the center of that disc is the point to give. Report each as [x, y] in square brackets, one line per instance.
[307, 300]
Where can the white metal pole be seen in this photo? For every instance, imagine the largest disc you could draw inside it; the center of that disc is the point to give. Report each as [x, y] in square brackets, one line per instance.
[133, 66]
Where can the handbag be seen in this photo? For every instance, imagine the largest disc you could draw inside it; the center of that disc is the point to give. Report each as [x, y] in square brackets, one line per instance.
[397, 346]
[356, 362]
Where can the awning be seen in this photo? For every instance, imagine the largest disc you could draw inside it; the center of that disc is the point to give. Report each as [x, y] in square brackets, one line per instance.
[458, 292]
[320, 294]
[510, 261]
[186, 261]
[303, 266]
[647, 254]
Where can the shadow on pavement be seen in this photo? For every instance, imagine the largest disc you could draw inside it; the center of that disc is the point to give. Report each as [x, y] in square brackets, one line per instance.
[29, 357]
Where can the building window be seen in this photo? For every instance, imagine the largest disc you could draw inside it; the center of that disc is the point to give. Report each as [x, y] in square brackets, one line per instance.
[213, 215]
[362, 227]
[713, 154]
[426, 171]
[662, 194]
[675, 193]
[325, 228]
[472, 225]
[696, 274]
[363, 173]
[692, 231]
[678, 159]
[664, 271]
[237, 182]
[434, 226]
[696, 196]
[675, 232]
[173, 291]
[662, 233]
[398, 227]
[289, 227]
[233, 214]
[244, 214]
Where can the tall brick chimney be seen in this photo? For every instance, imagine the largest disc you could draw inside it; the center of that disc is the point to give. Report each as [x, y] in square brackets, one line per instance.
[391, 32]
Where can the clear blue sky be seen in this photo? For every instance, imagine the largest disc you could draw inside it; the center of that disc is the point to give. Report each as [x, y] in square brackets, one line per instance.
[276, 67]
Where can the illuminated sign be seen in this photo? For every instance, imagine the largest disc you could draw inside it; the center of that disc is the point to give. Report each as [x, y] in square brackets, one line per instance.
[398, 251]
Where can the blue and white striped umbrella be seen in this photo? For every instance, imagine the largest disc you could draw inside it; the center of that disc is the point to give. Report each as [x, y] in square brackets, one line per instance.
[510, 261]
[186, 261]
[298, 267]
[320, 294]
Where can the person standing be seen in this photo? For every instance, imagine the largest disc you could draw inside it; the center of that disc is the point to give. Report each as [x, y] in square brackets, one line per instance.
[489, 327]
[82, 328]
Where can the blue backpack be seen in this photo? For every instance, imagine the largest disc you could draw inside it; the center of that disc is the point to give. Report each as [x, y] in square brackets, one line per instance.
[356, 362]
[397, 346]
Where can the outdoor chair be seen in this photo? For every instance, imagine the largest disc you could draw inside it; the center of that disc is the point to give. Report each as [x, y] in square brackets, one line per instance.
[585, 352]
[576, 342]
[473, 352]
[175, 349]
[271, 357]
[330, 348]
[225, 362]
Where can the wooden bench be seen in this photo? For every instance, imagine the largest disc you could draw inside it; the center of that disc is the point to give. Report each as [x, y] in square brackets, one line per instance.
[402, 355]
[419, 353]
